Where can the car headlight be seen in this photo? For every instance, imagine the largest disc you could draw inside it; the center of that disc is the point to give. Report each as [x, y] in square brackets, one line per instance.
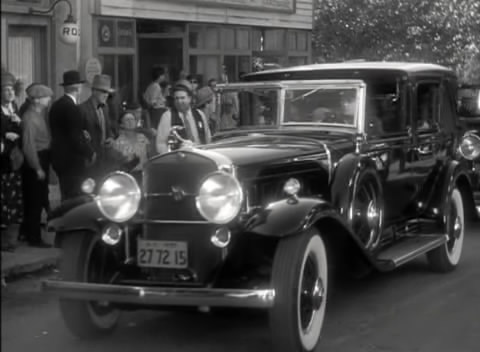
[118, 197]
[220, 198]
[470, 146]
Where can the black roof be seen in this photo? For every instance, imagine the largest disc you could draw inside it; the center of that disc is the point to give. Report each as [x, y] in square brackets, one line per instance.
[351, 70]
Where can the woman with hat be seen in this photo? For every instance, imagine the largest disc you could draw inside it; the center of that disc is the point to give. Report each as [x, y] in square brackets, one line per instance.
[12, 159]
[36, 147]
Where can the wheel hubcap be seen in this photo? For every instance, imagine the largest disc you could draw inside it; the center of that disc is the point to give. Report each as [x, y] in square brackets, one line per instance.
[367, 216]
[457, 228]
[312, 294]
[373, 214]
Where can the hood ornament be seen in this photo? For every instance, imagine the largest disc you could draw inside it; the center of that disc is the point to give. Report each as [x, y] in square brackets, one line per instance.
[177, 193]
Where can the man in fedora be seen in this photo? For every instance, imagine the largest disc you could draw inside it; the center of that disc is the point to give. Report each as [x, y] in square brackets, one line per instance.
[98, 125]
[71, 151]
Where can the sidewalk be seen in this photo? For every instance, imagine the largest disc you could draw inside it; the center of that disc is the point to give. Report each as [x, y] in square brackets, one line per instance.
[25, 259]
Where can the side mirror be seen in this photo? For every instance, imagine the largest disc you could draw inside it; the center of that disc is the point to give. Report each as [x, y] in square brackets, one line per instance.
[469, 101]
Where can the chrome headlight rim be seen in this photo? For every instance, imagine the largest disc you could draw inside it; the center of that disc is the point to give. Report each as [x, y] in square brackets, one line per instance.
[475, 140]
[137, 194]
[238, 188]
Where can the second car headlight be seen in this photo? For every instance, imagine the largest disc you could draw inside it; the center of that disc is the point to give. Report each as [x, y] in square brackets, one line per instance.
[220, 198]
[119, 197]
[470, 146]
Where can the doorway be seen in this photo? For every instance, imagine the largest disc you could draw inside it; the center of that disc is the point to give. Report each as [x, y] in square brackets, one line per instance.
[165, 52]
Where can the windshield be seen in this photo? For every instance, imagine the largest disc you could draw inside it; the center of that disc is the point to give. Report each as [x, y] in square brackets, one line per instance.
[289, 104]
[257, 107]
[336, 106]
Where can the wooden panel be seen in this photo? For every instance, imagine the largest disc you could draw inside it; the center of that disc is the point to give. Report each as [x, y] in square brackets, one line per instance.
[173, 10]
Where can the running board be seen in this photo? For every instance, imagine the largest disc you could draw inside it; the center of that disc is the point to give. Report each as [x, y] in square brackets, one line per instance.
[408, 249]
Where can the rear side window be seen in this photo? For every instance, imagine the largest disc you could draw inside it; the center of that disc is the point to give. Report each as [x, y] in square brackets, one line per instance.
[383, 109]
[427, 106]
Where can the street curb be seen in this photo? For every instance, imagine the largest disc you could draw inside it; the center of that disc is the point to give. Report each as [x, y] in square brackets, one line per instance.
[16, 264]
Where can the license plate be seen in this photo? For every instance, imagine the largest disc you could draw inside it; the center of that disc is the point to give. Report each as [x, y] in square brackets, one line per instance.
[162, 254]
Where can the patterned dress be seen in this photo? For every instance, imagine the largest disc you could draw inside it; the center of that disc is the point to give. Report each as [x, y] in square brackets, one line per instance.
[11, 180]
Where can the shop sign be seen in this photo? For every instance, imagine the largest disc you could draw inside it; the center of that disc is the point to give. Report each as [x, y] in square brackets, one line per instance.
[106, 33]
[125, 34]
[69, 32]
[92, 67]
[266, 5]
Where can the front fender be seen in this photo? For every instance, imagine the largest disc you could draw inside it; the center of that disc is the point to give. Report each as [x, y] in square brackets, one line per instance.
[349, 168]
[289, 216]
[78, 214]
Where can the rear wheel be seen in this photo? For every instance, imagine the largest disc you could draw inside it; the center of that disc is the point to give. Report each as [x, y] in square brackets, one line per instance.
[300, 279]
[86, 258]
[446, 257]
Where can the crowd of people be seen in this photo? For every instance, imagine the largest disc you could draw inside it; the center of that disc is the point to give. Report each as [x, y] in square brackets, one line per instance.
[68, 141]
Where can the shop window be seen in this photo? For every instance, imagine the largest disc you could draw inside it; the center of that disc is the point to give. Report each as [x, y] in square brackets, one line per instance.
[108, 66]
[229, 38]
[125, 77]
[212, 33]
[297, 60]
[120, 68]
[205, 66]
[125, 32]
[242, 38]
[274, 39]
[257, 41]
[292, 40]
[195, 37]
[297, 41]
[302, 40]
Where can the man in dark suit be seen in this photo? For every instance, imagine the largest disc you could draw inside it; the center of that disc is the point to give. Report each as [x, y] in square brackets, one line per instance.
[100, 127]
[71, 150]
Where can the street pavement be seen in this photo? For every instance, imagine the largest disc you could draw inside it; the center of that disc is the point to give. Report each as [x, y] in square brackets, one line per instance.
[409, 310]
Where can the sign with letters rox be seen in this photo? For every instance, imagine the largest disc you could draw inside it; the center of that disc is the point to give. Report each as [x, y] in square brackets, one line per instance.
[267, 5]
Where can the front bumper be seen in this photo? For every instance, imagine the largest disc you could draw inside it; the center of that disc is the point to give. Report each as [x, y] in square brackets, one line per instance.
[161, 296]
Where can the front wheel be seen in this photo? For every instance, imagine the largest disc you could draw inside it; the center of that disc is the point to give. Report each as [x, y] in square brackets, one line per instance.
[300, 280]
[446, 257]
[86, 258]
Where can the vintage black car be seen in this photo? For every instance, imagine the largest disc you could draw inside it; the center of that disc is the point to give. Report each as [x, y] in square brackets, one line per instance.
[469, 113]
[315, 171]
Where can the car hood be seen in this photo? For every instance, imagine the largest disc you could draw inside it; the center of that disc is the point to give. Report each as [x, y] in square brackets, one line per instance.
[252, 151]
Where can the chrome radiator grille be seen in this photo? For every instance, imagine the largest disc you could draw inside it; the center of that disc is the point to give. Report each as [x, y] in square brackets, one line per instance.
[170, 185]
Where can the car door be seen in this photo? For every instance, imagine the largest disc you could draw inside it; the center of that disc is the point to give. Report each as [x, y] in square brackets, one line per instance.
[389, 143]
[429, 143]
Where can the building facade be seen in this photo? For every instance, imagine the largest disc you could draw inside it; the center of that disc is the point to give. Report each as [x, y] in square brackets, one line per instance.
[125, 38]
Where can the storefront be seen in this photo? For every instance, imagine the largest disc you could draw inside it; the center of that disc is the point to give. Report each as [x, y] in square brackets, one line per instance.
[209, 38]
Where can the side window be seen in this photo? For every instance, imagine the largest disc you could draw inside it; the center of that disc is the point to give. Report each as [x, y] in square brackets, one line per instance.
[427, 101]
[383, 110]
